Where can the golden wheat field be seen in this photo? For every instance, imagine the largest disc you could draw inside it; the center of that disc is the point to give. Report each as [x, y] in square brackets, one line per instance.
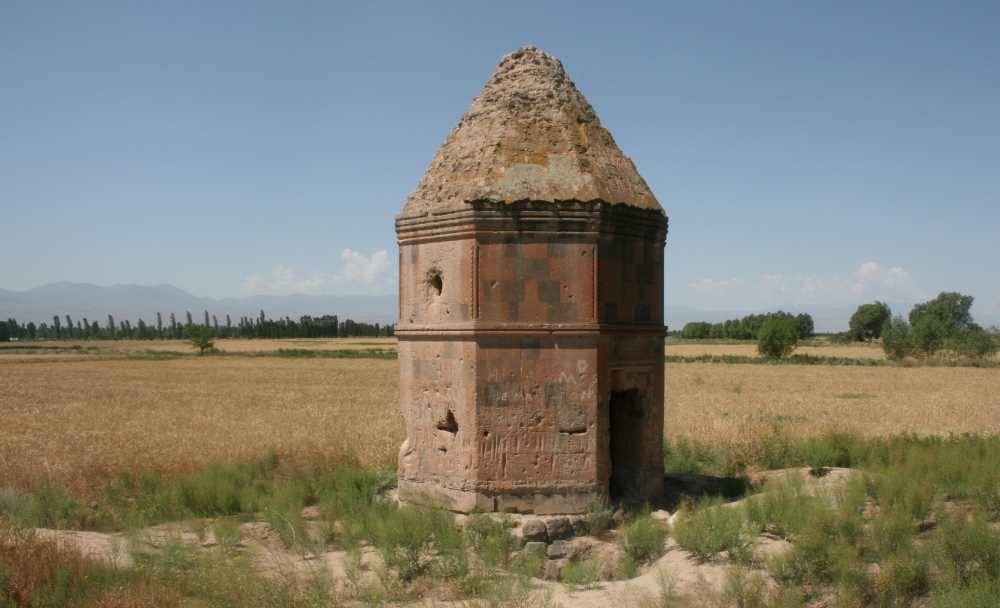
[63, 349]
[82, 420]
[183, 346]
[748, 349]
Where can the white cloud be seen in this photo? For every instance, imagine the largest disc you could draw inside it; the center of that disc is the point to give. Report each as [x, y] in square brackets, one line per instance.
[358, 274]
[871, 280]
[874, 274]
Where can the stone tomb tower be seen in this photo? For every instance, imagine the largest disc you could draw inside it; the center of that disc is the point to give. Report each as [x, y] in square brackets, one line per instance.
[531, 308]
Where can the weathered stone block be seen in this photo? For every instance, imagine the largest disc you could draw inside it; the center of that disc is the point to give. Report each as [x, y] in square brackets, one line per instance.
[559, 528]
[534, 530]
[556, 550]
[535, 547]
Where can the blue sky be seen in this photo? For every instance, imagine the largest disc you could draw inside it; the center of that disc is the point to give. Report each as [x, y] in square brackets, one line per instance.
[808, 154]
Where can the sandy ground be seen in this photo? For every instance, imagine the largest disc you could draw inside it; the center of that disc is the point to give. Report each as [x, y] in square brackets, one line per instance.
[676, 569]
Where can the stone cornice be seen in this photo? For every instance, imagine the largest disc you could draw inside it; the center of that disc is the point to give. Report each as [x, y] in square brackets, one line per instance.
[534, 220]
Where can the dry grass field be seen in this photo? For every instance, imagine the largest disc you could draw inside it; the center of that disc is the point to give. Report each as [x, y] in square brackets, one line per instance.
[62, 349]
[78, 421]
[183, 346]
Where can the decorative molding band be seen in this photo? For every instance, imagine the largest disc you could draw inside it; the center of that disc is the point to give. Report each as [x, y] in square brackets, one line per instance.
[566, 219]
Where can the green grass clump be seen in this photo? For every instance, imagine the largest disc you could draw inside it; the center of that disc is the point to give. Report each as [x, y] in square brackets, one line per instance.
[581, 572]
[783, 509]
[903, 577]
[684, 455]
[642, 538]
[526, 564]
[48, 507]
[227, 533]
[282, 508]
[599, 513]
[712, 528]
[979, 594]
[490, 539]
[745, 589]
[966, 550]
[415, 540]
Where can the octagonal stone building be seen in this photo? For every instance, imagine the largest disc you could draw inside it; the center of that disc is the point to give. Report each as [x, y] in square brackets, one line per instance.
[531, 308]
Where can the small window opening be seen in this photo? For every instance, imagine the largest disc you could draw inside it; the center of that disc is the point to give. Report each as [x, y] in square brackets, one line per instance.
[434, 281]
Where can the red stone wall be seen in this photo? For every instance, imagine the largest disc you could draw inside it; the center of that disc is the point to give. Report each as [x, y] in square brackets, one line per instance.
[514, 333]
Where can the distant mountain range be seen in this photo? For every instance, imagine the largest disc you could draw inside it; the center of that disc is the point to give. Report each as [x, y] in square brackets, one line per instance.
[95, 302]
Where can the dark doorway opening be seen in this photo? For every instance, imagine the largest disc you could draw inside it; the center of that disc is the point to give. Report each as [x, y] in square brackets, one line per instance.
[625, 410]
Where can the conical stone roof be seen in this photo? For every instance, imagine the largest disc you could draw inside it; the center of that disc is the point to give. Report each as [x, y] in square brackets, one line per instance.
[529, 135]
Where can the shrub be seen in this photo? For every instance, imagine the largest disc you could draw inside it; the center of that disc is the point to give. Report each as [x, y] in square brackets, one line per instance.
[784, 509]
[745, 589]
[643, 538]
[346, 493]
[777, 338]
[967, 550]
[897, 339]
[829, 450]
[902, 577]
[626, 567]
[909, 496]
[973, 343]
[929, 334]
[714, 528]
[412, 540]
[490, 539]
[200, 337]
[283, 511]
[51, 507]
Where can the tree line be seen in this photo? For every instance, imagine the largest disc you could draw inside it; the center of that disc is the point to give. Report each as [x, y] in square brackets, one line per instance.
[942, 324]
[748, 328]
[170, 328]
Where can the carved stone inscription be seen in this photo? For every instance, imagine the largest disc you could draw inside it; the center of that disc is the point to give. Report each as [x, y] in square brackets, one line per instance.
[537, 416]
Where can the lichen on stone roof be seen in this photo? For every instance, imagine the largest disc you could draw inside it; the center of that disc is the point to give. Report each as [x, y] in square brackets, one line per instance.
[530, 135]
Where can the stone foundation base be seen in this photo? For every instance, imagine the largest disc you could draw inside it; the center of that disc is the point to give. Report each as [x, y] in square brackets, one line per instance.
[570, 501]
